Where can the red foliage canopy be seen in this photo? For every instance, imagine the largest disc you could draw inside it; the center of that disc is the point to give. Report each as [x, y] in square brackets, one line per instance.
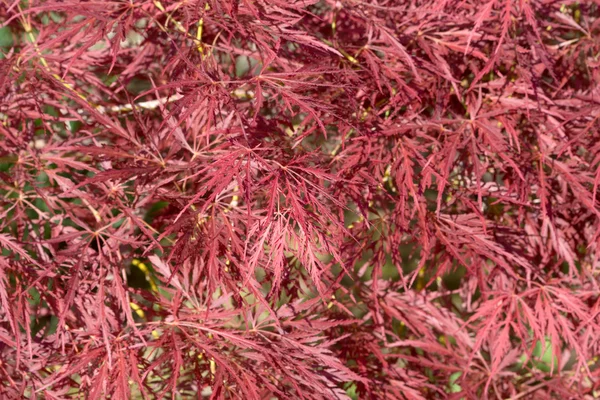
[299, 199]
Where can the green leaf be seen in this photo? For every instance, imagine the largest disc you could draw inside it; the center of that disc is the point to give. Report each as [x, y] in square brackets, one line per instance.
[6, 38]
[454, 387]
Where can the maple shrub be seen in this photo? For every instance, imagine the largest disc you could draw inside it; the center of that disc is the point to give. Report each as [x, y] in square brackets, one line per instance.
[299, 199]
